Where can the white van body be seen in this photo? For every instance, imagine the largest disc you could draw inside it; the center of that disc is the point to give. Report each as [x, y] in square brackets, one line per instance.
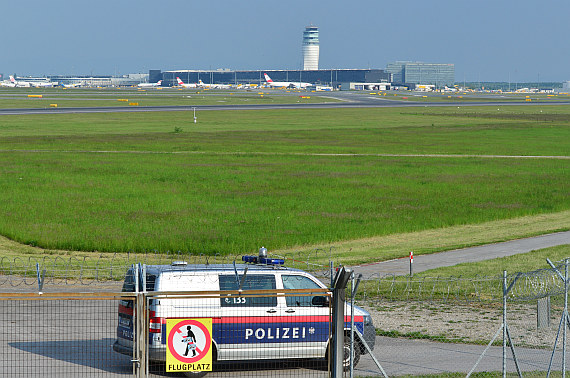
[281, 327]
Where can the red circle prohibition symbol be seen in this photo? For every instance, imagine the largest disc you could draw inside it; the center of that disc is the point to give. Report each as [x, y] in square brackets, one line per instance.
[174, 331]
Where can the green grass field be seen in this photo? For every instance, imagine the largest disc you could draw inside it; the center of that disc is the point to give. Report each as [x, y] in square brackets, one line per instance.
[241, 179]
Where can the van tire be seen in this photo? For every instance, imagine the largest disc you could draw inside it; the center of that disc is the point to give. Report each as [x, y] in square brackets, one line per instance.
[346, 352]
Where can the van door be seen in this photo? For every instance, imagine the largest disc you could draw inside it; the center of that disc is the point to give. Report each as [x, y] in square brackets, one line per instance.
[309, 324]
[249, 325]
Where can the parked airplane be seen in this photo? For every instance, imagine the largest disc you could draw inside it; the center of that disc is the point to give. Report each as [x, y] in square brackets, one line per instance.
[183, 85]
[201, 84]
[27, 84]
[71, 85]
[44, 84]
[285, 84]
[6, 83]
[19, 83]
[150, 85]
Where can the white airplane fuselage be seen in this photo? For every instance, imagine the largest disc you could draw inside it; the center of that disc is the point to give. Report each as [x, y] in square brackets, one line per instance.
[285, 84]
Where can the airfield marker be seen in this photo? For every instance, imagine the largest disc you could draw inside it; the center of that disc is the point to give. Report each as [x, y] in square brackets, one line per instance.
[411, 263]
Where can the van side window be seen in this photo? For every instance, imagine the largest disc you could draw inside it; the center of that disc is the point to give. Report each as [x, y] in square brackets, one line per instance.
[252, 282]
[299, 282]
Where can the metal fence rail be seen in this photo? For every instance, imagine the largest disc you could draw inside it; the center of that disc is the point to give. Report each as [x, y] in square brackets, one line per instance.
[75, 334]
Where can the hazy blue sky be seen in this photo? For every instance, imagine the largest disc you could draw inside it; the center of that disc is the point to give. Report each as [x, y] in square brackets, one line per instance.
[487, 40]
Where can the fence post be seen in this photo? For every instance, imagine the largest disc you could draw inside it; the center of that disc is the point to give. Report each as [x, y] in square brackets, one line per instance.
[543, 312]
[141, 336]
[565, 317]
[337, 344]
[140, 321]
[352, 293]
[504, 323]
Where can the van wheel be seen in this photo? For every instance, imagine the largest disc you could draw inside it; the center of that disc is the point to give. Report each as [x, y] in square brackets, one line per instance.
[346, 353]
[196, 374]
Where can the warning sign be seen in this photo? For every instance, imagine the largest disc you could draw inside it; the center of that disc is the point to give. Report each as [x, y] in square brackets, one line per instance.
[189, 344]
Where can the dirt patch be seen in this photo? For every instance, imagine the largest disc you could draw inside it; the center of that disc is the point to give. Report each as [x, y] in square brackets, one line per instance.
[473, 323]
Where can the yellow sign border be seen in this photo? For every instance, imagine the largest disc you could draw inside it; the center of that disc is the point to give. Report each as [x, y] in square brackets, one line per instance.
[176, 363]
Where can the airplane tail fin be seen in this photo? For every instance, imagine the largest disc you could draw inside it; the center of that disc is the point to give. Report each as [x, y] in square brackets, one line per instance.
[201, 82]
[12, 79]
[180, 82]
[159, 82]
[267, 78]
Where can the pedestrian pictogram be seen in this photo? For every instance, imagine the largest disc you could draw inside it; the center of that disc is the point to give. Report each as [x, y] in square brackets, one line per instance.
[189, 344]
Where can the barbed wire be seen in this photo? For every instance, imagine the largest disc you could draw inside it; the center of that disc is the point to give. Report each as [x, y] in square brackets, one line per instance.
[106, 267]
[524, 286]
[539, 283]
[87, 270]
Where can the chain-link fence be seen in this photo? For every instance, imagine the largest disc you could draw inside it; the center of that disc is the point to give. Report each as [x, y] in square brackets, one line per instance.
[442, 325]
[60, 335]
[170, 320]
[72, 334]
[424, 325]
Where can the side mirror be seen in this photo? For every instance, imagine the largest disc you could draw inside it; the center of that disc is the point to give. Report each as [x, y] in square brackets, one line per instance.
[320, 301]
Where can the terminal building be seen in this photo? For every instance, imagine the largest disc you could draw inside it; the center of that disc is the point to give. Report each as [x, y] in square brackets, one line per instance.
[329, 77]
[412, 74]
[91, 80]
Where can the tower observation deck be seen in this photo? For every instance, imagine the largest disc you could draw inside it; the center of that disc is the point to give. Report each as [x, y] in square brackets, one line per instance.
[311, 48]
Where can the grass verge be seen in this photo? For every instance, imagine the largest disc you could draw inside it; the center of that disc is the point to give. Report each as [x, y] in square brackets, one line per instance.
[381, 248]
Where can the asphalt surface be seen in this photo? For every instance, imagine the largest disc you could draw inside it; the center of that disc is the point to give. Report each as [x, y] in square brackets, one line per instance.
[348, 100]
[474, 254]
[403, 356]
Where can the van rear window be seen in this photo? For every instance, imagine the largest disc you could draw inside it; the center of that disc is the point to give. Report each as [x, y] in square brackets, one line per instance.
[129, 284]
[252, 282]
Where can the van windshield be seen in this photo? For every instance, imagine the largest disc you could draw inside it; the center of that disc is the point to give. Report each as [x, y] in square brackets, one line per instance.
[298, 282]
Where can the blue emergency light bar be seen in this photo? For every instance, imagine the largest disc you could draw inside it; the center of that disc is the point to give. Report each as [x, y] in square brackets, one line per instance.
[262, 260]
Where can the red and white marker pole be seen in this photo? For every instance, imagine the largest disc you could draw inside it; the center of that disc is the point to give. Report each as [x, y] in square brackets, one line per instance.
[411, 263]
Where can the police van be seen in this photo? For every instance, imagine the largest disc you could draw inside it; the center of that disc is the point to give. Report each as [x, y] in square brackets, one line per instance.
[247, 327]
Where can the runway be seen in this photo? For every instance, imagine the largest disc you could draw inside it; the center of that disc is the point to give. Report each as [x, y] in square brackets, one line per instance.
[347, 100]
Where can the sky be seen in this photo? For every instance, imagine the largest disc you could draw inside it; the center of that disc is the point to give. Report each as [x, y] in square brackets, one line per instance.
[487, 40]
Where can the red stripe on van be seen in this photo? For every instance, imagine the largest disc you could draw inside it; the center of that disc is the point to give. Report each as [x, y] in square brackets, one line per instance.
[273, 319]
[280, 319]
[357, 319]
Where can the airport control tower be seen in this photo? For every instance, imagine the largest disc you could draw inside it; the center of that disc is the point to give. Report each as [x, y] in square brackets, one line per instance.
[311, 48]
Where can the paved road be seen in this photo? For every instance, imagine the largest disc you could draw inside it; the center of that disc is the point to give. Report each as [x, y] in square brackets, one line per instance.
[458, 256]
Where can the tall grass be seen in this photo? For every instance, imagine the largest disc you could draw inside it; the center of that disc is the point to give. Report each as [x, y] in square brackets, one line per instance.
[231, 203]
[256, 178]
